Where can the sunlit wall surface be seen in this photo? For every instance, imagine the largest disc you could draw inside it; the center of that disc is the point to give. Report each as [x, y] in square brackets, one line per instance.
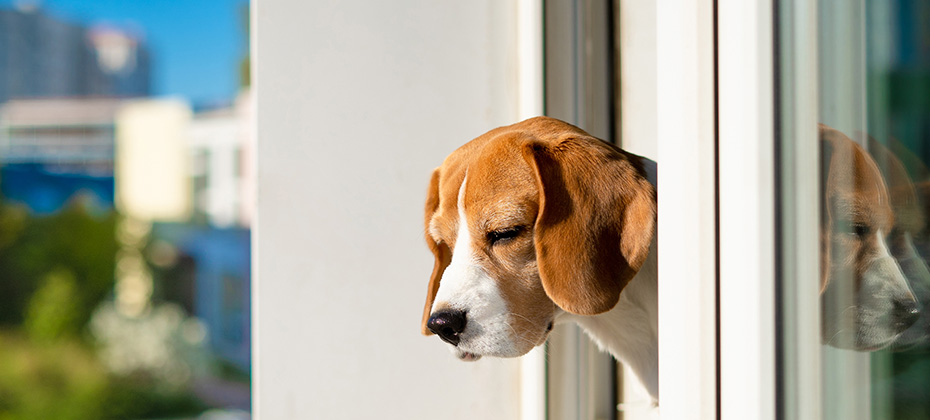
[125, 209]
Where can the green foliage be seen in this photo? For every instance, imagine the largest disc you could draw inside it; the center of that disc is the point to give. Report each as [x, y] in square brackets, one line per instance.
[12, 222]
[64, 381]
[48, 382]
[129, 398]
[245, 68]
[53, 310]
[55, 271]
[74, 240]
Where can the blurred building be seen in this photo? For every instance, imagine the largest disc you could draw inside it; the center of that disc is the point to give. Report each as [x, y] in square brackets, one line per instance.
[120, 66]
[173, 165]
[41, 56]
[178, 179]
[220, 158]
[59, 89]
[152, 185]
[218, 248]
[54, 149]
[152, 167]
[219, 261]
[179, 183]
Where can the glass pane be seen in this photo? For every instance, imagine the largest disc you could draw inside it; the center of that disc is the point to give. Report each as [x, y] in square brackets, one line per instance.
[125, 209]
[874, 78]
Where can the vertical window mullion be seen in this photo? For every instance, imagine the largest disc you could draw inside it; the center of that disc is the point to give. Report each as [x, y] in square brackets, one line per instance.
[531, 103]
[687, 227]
[747, 210]
[799, 364]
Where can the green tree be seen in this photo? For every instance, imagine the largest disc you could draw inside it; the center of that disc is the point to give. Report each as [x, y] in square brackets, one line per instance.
[75, 239]
[52, 313]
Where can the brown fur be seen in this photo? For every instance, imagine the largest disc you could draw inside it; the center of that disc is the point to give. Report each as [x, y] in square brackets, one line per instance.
[866, 300]
[585, 210]
[592, 206]
[909, 216]
[854, 195]
[440, 250]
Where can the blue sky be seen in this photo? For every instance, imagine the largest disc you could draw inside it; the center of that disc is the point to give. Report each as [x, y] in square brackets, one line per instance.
[196, 45]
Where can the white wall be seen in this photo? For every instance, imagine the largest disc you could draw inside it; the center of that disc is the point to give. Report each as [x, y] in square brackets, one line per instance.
[356, 103]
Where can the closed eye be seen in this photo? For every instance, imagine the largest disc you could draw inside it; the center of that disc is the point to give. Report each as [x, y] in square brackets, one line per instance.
[861, 229]
[504, 235]
[853, 229]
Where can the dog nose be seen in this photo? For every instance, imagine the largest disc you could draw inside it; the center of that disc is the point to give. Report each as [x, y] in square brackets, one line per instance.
[905, 313]
[447, 324]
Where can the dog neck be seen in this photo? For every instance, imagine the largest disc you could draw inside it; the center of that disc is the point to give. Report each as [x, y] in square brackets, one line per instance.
[630, 331]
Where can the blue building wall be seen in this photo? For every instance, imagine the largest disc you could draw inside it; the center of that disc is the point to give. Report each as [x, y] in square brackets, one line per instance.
[222, 290]
[44, 190]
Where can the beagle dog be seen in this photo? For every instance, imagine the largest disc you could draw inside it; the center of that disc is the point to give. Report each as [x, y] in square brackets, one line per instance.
[539, 222]
[866, 301]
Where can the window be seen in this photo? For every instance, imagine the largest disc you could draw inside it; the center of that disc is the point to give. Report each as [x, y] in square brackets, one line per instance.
[852, 334]
[582, 381]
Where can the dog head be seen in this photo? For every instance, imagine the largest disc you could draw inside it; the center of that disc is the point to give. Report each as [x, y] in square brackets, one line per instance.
[525, 221]
[865, 298]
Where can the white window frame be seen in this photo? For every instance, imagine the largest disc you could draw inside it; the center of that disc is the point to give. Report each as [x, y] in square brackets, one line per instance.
[799, 365]
[768, 155]
[530, 97]
[687, 225]
[747, 210]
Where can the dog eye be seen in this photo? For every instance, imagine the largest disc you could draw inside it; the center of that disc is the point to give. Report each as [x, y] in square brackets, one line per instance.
[853, 229]
[504, 234]
[861, 229]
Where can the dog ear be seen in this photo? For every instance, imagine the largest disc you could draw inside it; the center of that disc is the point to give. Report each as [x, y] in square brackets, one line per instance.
[909, 217]
[440, 250]
[596, 221]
